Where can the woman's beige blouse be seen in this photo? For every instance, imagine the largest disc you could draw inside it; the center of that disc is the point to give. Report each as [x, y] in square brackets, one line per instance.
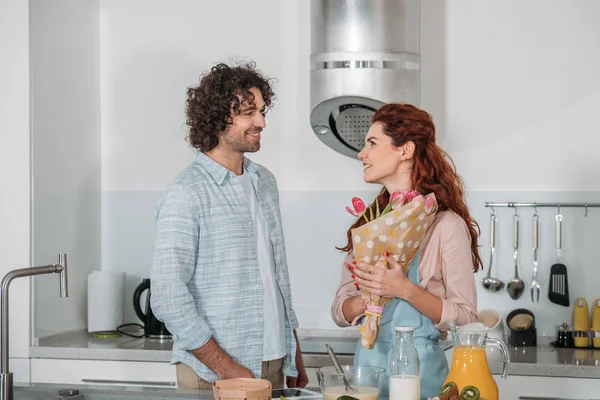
[445, 270]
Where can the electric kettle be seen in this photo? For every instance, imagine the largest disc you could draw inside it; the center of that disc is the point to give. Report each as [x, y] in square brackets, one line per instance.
[153, 328]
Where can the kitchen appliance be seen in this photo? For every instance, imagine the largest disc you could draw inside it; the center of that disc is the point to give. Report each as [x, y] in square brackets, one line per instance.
[581, 323]
[469, 366]
[153, 328]
[596, 324]
[364, 53]
[105, 301]
[521, 324]
[558, 288]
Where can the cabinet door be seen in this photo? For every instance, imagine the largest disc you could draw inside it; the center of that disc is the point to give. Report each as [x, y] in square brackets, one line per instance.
[20, 367]
[537, 386]
[125, 373]
[15, 167]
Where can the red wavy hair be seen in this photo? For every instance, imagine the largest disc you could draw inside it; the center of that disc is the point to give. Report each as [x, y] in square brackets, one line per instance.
[433, 169]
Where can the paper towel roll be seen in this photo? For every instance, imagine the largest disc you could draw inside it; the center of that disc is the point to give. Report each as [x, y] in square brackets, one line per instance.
[105, 300]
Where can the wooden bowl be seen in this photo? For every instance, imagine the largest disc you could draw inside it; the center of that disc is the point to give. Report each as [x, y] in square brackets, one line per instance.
[242, 389]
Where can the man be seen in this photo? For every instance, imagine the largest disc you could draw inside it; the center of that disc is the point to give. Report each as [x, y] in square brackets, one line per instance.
[219, 280]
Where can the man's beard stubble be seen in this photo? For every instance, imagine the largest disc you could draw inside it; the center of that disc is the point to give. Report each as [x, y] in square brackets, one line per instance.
[243, 144]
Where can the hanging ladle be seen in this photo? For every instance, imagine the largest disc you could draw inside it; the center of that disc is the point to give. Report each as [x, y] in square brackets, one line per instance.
[516, 286]
[489, 283]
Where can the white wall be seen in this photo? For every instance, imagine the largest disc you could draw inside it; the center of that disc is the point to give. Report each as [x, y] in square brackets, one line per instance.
[512, 87]
[152, 53]
[503, 79]
[65, 117]
[14, 172]
[521, 93]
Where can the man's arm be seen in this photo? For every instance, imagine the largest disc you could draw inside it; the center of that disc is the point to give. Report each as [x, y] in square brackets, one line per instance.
[177, 229]
[215, 358]
[302, 379]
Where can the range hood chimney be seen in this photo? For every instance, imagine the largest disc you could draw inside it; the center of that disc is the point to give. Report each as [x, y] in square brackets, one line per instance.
[364, 53]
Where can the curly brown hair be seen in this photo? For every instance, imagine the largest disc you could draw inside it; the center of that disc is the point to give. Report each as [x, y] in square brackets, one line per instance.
[433, 169]
[222, 90]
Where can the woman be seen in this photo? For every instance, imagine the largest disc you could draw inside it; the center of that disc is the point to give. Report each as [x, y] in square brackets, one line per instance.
[400, 153]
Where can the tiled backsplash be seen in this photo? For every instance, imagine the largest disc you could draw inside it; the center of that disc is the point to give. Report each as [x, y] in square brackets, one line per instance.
[315, 222]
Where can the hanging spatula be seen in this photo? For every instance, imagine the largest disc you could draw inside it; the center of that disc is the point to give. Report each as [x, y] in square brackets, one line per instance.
[558, 288]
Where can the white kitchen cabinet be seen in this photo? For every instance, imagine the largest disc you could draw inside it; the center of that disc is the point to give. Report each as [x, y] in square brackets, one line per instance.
[64, 39]
[19, 136]
[534, 386]
[20, 367]
[537, 386]
[102, 372]
[312, 378]
[15, 169]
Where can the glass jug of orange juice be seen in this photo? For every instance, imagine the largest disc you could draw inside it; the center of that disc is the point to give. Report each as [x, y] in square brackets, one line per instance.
[469, 365]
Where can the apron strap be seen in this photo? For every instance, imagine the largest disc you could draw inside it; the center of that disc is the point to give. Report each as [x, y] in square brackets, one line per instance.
[424, 341]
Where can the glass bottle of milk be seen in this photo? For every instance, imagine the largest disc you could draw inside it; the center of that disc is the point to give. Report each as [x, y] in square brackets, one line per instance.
[405, 383]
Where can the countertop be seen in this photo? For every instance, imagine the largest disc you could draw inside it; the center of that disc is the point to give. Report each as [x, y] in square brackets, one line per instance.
[37, 391]
[84, 346]
[543, 360]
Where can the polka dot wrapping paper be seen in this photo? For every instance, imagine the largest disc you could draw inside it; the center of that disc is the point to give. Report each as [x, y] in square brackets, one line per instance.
[398, 232]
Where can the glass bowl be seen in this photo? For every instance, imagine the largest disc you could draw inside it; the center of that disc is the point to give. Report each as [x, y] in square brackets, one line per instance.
[366, 379]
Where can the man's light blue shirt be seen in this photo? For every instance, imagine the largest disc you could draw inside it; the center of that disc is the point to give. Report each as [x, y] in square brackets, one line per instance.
[205, 277]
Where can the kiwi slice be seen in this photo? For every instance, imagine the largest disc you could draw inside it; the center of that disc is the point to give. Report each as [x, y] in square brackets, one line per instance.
[346, 397]
[470, 393]
[448, 390]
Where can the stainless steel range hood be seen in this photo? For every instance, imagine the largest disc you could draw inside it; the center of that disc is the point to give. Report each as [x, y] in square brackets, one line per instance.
[364, 53]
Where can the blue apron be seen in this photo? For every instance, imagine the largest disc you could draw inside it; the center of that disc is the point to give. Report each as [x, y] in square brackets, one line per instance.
[433, 363]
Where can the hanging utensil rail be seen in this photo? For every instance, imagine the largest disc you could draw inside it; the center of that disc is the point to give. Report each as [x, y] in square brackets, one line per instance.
[492, 204]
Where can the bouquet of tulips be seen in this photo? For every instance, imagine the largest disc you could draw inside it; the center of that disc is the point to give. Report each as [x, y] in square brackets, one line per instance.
[398, 229]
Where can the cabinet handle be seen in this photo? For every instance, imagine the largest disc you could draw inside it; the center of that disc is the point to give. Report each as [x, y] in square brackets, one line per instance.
[116, 381]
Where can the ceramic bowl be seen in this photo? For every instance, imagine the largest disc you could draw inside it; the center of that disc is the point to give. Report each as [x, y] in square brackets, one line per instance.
[493, 320]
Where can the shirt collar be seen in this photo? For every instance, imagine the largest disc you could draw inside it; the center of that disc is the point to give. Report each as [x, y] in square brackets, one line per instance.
[218, 172]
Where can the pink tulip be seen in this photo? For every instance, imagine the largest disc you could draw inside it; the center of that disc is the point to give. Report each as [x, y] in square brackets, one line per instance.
[359, 207]
[396, 195]
[429, 203]
[397, 198]
[410, 195]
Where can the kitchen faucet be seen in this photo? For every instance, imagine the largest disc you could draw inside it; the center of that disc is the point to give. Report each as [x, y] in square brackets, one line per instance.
[6, 379]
